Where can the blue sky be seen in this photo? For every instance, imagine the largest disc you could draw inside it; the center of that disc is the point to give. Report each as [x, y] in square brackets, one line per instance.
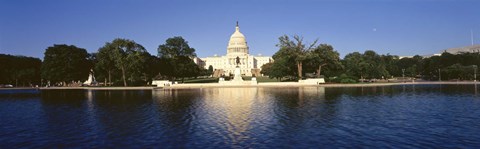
[404, 27]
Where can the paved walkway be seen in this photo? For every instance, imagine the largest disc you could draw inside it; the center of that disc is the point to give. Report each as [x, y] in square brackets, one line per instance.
[264, 84]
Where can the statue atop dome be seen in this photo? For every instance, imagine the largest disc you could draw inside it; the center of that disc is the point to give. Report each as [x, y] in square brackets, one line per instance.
[237, 44]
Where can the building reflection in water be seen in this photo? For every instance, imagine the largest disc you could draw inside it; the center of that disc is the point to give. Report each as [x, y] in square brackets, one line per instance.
[90, 96]
[239, 115]
[236, 106]
[225, 112]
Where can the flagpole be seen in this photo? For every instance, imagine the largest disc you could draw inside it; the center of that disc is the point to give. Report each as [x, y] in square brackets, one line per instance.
[471, 36]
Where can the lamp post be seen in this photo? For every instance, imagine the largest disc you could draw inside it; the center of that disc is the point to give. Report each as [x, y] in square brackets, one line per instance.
[403, 75]
[474, 73]
[439, 75]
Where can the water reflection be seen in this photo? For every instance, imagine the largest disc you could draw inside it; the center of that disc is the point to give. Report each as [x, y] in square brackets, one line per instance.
[407, 116]
[118, 115]
[175, 113]
[236, 106]
[241, 116]
[476, 90]
[58, 107]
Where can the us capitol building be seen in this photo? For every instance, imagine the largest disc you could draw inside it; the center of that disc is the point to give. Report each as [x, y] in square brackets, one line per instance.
[237, 47]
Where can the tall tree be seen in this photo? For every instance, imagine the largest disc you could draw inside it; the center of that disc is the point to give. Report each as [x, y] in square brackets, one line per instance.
[277, 69]
[366, 65]
[179, 54]
[375, 65]
[174, 47]
[287, 58]
[355, 65]
[19, 70]
[65, 63]
[391, 64]
[210, 70]
[325, 56]
[125, 55]
[153, 68]
[105, 65]
[410, 66]
[298, 49]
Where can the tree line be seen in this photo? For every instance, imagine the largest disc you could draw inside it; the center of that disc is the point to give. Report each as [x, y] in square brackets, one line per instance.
[123, 62]
[19, 70]
[295, 58]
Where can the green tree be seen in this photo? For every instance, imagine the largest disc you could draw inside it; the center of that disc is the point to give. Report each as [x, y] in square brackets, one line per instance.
[285, 57]
[355, 65]
[152, 68]
[178, 54]
[458, 72]
[411, 66]
[278, 69]
[366, 65]
[431, 67]
[166, 68]
[174, 47]
[324, 56]
[19, 70]
[298, 49]
[210, 70]
[64, 63]
[266, 68]
[185, 67]
[105, 65]
[375, 65]
[391, 66]
[127, 56]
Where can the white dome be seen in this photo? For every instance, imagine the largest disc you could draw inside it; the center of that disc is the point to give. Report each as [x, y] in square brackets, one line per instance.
[237, 43]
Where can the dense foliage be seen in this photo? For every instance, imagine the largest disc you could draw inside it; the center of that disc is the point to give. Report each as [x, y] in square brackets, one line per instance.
[294, 59]
[177, 56]
[125, 62]
[65, 64]
[19, 70]
[125, 59]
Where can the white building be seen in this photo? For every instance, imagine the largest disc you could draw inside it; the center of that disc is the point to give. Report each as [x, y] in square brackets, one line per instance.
[467, 49]
[237, 47]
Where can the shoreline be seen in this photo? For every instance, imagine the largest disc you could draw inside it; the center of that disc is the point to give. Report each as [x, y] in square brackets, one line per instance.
[296, 84]
[266, 84]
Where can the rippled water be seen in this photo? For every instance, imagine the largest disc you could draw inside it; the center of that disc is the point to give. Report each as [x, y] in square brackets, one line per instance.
[411, 116]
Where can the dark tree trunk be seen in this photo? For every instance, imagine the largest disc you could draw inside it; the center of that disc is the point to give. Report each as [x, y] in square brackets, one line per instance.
[319, 70]
[299, 68]
[124, 77]
[109, 78]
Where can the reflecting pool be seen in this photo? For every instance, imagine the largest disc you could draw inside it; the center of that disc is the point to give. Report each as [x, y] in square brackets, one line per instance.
[401, 116]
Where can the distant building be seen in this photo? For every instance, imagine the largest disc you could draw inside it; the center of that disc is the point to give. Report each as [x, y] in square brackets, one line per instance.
[237, 47]
[467, 49]
[400, 57]
[470, 49]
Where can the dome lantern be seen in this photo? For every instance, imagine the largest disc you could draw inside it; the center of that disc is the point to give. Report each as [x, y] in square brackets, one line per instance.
[237, 44]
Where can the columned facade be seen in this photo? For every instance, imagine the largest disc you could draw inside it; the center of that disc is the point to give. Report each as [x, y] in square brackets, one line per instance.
[237, 47]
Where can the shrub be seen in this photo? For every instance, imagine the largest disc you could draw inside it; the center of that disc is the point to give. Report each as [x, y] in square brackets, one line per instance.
[343, 78]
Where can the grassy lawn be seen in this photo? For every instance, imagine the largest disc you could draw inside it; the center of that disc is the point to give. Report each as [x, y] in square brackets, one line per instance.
[261, 79]
[215, 80]
[200, 80]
